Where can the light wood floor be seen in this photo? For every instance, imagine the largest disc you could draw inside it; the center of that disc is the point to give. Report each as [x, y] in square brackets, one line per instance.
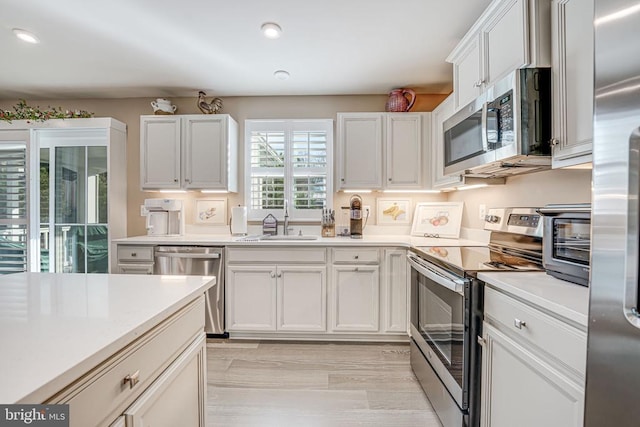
[313, 384]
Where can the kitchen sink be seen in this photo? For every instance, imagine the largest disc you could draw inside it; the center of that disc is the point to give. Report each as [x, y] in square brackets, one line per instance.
[292, 237]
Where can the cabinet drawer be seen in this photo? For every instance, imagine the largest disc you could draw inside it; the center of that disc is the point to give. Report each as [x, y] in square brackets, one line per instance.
[559, 339]
[103, 393]
[135, 268]
[271, 255]
[356, 256]
[135, 253]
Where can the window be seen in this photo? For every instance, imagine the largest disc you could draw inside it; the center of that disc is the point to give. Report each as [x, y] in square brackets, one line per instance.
[288, 160]
[13, 206]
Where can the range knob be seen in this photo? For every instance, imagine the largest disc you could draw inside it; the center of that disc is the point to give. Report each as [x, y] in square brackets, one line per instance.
[492, 218]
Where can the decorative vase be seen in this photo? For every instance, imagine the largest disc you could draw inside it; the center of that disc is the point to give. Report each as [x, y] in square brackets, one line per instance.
[398, 102]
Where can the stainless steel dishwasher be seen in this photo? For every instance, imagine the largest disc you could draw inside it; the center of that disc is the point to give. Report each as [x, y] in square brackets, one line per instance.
[197, 261]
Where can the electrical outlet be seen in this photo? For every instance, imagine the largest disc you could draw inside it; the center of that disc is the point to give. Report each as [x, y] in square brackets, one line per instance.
[482, 211]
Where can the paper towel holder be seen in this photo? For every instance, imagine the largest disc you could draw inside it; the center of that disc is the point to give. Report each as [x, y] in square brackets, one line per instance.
[238, 223]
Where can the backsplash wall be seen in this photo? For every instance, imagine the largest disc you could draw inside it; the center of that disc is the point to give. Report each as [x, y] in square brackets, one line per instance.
[531, 190]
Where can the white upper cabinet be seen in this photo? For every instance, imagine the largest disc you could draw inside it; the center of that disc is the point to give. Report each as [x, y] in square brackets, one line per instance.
[189, 152]
[359, 150]
[510, 34]
[160, 152]
[441, 113]
[382, 150]
[572, 81]
[467, 73]
[404, 151]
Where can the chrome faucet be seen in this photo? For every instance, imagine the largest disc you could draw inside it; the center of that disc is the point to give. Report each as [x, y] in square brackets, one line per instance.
[285, 230]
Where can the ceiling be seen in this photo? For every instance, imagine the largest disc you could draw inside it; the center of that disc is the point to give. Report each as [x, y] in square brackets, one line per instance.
[145, 48]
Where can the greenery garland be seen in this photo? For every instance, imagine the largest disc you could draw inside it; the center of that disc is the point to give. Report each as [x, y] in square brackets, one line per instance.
[24, 112]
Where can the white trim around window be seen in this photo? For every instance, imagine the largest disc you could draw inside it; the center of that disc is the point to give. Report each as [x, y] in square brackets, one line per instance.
[288, 160]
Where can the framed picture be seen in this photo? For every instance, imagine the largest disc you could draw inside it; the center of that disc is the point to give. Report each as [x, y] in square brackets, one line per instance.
[437, 219]
[211, 211]
[393, 211]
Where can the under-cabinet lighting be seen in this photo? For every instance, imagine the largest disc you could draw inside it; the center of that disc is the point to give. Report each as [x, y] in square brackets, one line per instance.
[214, 191]
[172, 191]
[471, 187]
[357, 191]
[412, 191]
[26, 36]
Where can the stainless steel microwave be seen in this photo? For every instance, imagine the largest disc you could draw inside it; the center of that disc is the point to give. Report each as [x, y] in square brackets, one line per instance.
[566, 242]
[505, 131]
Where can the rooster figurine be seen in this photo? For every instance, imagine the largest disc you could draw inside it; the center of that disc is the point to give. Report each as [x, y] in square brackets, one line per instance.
[213, 107]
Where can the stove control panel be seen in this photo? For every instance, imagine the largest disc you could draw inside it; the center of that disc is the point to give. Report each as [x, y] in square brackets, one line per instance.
[524, 220]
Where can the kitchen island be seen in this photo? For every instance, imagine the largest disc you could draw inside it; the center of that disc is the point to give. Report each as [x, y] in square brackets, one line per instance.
[101, 343]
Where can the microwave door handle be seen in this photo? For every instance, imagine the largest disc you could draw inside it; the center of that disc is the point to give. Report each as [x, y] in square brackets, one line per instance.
[485, 138]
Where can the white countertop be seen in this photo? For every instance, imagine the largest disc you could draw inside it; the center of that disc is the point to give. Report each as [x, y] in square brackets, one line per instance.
[228, 240]
[566, 299]
[56, 327]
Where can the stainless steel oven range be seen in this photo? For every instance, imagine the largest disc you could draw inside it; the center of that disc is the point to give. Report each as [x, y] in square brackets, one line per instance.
[447, 309]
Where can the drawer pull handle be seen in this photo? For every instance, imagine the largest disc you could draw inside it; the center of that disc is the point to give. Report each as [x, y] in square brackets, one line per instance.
[519, 323]
[132, 379]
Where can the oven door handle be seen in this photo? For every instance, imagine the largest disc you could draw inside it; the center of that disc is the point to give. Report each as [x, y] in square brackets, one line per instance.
[440, 277]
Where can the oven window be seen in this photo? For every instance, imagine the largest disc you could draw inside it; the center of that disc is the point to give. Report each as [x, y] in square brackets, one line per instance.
[572, 240]
[441, 324]
[464, 140]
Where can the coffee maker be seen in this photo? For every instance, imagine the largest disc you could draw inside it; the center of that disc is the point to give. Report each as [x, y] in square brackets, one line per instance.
[165, 217]
[355, 216]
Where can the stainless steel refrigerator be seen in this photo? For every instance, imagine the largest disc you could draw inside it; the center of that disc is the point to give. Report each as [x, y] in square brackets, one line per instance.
[613, 355]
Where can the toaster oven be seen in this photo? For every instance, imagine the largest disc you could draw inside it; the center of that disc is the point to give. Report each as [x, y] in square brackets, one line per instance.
[566, 250]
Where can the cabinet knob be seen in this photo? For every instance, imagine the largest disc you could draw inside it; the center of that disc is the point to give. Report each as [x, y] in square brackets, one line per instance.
[342, 179]
[132, 379]
[519, 323]
[175, 179]
[389, 179]
[357, 256]
[279, 274]
[273, 275]
[554, 142]
[134, 254]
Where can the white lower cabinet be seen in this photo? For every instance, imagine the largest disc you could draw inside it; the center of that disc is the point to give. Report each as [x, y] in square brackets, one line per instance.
[251, 298]
[521, 389]
[274, 297]
[302, 298]
[394, 287]
[355, 298]
[324, 293]
[532, 366]
[157, 380]
[174, 398]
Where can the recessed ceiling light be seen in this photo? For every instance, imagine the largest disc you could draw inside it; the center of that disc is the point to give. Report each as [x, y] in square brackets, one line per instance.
[271, 30]
[281, 75]
[26, 36]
